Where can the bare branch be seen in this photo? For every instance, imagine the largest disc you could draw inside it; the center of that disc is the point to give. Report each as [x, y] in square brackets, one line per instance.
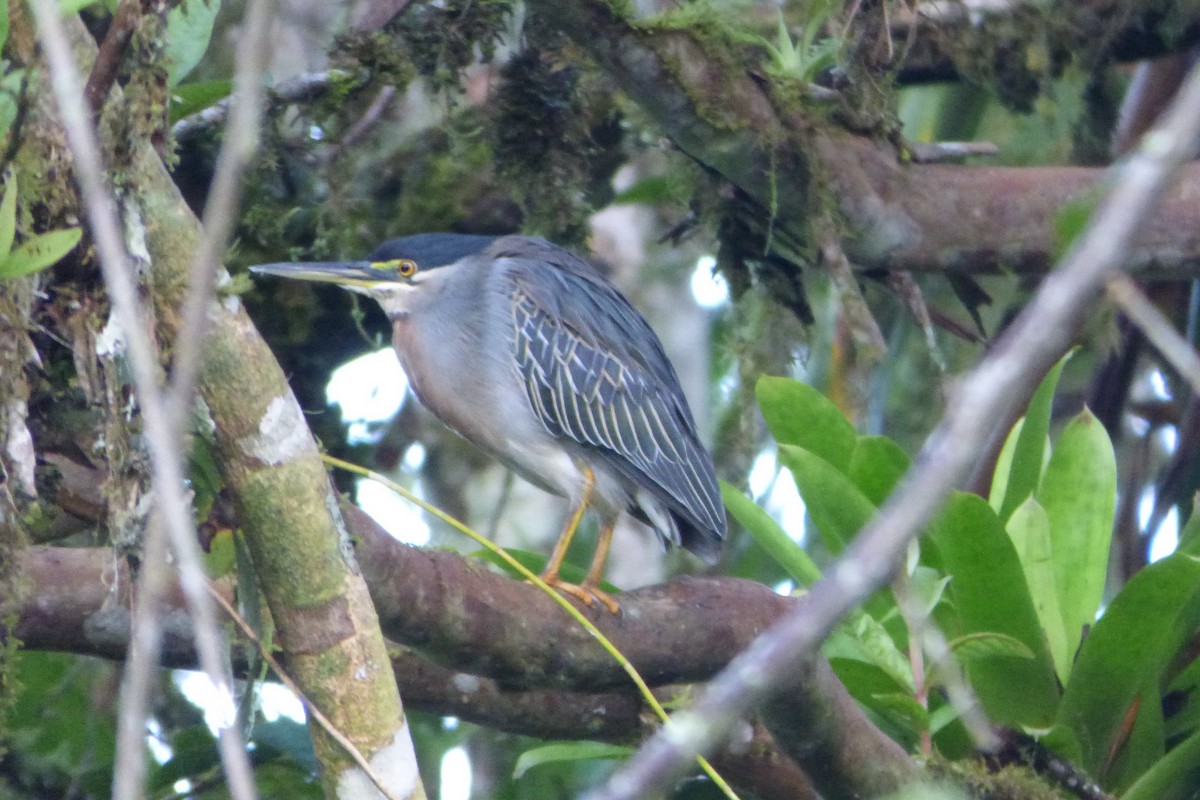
[163, 442]
[1157, 328]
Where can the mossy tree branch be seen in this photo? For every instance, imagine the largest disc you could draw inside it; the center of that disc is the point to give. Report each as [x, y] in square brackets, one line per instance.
[793, 159]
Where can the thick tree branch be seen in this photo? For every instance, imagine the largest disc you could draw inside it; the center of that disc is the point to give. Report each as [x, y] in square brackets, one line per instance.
[897, 216]
[79, 602]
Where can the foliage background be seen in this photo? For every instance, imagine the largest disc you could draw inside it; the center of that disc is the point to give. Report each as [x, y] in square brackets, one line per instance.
[492, 117]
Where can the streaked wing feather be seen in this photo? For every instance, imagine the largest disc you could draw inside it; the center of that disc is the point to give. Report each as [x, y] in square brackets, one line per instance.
[583, 382]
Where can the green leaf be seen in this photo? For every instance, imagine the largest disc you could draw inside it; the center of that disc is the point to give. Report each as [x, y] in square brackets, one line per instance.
[39, 252]
[1029, 530]
[876, 466]
[220, 557]
[798, 414]
[8, 213]
[904, 708]
[1025, 470]
[989, 595]
[568, 751]
[861, 637]
[1174, 777]
[1126, 653]
[985, 644]
[1079, 493]
[770, 537]
[189, 98]
[189, 27]
[838, 509]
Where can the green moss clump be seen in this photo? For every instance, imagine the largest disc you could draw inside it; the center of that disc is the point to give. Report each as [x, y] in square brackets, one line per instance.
[438, 42]
[557, 138]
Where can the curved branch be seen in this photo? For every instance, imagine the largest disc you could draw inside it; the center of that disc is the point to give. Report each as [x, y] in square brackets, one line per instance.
[79, 603]
[459, 612]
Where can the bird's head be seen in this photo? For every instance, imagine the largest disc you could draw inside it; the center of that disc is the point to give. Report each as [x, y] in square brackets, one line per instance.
[393, 272]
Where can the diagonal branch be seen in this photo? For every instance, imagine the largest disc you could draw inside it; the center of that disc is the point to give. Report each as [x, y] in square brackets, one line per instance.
[1039, 336]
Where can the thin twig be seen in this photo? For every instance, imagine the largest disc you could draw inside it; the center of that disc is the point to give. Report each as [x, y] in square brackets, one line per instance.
[220, 209]
[313, 711]
[300, 89]
[363, 125]
[163, 445]
[111, 53]
[1038, 338]
[939, 152]
[1157, 328]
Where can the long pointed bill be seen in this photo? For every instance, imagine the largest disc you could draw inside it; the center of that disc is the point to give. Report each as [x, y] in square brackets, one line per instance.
[351, 274]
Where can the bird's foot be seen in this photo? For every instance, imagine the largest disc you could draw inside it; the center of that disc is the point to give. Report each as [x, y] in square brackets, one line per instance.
[587, 591]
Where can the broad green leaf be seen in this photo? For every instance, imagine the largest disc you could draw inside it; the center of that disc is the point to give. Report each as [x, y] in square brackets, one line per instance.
[1062, 740]
[859, 675]
[189, 27]
[861, 637]
[975, 646]
[1029, 529]
[189, 98]
[905, 708]
[568, 751]
[798, 414]
[38, 253]
[837, 507]
[1174, 777]
[1025, 470]
[941, 717]
[1079, 493]
[1004, 465]
[1137, 749]
[770, 537]
[8, 213]
[989, 595]
[220, 558]
[1125, 653]
[876, 466]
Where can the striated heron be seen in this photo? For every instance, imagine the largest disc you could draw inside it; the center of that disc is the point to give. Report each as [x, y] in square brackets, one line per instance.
[524, 349]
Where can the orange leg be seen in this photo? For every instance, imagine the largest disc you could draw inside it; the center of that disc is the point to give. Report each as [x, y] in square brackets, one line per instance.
[591, 584]
[550, 573]
[589, 591]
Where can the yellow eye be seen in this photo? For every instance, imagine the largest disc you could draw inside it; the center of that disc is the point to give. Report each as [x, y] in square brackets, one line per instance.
[406, 268]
